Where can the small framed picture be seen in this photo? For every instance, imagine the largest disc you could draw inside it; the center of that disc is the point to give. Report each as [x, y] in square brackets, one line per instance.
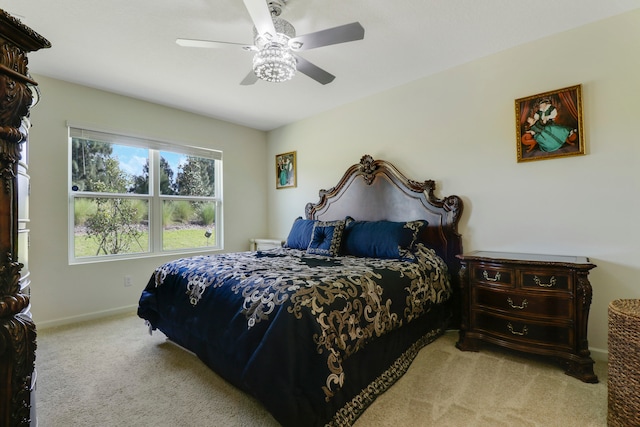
[549, 125]
[286, 167]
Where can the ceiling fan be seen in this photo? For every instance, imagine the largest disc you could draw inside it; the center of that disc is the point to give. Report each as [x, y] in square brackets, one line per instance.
[276, 44]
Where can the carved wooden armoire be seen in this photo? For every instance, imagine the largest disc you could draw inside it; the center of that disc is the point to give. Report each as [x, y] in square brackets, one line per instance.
[17, 330]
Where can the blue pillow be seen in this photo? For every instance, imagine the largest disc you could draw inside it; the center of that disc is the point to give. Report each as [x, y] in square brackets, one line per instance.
[326, 238]
[300, 234]
[381, 239]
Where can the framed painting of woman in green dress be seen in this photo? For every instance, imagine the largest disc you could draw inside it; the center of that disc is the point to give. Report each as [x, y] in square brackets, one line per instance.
[286, 170]
[549, 125]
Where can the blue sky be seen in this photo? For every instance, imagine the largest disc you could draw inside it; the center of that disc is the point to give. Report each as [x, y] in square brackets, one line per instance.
[133, 159]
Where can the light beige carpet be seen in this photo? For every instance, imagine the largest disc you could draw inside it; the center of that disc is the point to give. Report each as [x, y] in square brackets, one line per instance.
[112, 373]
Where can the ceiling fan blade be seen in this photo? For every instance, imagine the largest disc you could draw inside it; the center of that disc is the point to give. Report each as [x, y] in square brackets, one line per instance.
[250, 79]
[210, 44]
[261, 16]
[341, 34]
[313, 71]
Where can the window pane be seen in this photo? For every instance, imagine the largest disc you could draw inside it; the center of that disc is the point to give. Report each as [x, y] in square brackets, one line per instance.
[169, 164]
[129, 179]
[109, 168]
[188, 224]
[110, 226]
[194, 176]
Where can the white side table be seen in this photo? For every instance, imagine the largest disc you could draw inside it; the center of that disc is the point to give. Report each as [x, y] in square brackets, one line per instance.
[264, 244]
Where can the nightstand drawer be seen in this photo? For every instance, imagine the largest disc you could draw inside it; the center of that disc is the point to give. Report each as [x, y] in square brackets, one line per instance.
[523, 304]
[526, 332]
[494, 275]
[547, 280]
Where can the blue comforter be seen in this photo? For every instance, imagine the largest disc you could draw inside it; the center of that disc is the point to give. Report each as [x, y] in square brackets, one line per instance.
[314, 338]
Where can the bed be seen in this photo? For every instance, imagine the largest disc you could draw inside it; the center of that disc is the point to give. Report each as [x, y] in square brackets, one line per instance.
[318, 329]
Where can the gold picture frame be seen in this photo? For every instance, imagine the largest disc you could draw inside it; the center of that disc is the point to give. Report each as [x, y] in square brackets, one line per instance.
[549, 125]
[286, 170]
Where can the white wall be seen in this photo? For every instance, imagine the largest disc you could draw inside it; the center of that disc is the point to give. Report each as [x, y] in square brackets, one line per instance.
[458, 128]
[62, 293]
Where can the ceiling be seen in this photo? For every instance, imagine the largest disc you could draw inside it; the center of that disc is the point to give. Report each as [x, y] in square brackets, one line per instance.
[128, 47]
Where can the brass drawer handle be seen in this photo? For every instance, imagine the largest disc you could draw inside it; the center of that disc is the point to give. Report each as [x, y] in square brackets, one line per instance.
[519, 307]
[524, 332]
[485, 274]
[552, 282]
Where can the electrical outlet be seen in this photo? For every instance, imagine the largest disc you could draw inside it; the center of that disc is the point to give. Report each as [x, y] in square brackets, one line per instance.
[128, 281]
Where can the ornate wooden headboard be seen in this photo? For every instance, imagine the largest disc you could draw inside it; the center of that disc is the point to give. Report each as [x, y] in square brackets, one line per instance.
[375, 190]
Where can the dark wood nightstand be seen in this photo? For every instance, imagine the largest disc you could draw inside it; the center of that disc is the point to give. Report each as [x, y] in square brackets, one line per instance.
[528, 302]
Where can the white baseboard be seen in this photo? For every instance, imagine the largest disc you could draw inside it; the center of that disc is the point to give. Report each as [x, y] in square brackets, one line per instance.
[85, 317]
[599, 354]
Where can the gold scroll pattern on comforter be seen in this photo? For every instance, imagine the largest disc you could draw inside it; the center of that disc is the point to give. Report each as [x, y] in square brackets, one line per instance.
[352, 300]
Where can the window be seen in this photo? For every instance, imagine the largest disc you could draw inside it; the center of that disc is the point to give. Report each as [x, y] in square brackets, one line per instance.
[131, 197]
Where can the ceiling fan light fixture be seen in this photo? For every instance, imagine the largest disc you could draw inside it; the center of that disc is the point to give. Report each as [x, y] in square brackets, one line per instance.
[276, 44]
[296, 45]
[274, 63]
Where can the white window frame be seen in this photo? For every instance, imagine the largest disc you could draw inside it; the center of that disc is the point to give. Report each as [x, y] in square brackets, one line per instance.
[154, 198]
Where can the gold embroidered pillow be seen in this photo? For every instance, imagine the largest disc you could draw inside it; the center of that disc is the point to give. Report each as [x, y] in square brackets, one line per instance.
[326, 238]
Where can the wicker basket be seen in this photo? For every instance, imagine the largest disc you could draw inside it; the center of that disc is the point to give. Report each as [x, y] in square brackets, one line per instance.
[624, 363]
